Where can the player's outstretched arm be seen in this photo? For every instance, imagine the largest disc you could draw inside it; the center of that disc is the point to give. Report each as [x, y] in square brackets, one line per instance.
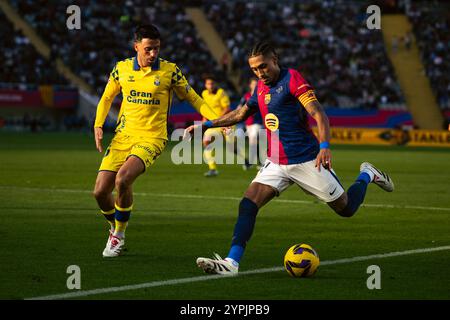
[316, 111]
[227, 120]
[232, 117]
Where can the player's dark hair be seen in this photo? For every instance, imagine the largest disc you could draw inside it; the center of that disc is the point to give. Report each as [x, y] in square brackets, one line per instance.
[262, 48]
[209, 76]
[148, 31]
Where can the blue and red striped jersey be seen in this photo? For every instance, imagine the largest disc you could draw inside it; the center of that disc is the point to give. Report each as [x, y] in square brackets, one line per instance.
[290, 140]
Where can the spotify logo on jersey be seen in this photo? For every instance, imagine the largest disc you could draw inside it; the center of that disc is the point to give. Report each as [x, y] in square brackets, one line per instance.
[271, 122]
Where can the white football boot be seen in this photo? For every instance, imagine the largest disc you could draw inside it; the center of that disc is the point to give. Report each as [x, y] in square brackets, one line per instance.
[114, 246]
[108, 243]
[217, 265]
[381, 178]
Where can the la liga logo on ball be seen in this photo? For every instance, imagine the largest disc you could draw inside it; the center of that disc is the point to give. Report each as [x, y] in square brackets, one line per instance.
[301, 260]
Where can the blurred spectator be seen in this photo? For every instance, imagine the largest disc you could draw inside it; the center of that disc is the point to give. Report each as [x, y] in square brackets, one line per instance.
[394, 44]
[225, 61]
[407, 40]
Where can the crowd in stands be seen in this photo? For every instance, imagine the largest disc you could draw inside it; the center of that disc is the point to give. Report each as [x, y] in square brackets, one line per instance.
[106, 36]
[20, 63]
[431, 26]
[328, 41]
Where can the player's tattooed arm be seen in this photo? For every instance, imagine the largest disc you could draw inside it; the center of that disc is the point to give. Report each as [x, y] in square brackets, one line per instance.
[227, 120]
[314, 108]
[316, 111]
[233, 117]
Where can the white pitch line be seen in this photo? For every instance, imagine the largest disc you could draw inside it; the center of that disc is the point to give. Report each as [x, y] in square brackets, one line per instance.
[196, 196]
[85, 293]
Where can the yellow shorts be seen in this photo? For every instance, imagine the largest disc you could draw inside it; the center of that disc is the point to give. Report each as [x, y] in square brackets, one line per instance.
[123, 146]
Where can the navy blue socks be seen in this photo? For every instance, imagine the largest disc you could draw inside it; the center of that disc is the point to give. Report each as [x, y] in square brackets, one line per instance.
[243, 229]
[356, 194]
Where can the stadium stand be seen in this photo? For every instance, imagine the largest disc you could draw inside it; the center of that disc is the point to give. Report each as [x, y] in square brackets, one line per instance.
[328, 42]
[20, 64]
[106, 36]
[431, 26]
[31, 89]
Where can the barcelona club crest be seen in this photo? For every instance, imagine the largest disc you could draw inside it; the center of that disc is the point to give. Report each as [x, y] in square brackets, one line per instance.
[157, 82]
[267, 98]
[271, 122]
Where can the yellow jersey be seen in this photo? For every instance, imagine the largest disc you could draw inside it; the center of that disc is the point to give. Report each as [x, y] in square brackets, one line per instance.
[218, 101]
[147, 97]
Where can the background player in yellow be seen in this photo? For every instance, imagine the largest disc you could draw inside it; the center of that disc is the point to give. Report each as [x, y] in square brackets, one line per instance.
[147, 83]
[218, 99]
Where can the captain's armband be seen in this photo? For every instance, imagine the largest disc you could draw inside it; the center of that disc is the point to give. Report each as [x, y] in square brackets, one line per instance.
[307, 97]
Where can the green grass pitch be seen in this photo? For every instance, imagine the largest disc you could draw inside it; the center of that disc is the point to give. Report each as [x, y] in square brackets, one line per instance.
[50, 221]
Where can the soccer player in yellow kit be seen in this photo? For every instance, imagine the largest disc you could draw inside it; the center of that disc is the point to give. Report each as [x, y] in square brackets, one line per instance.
[147, 83]
[218, 99]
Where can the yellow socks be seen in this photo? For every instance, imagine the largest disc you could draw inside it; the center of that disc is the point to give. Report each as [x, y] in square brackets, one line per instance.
[209, 157]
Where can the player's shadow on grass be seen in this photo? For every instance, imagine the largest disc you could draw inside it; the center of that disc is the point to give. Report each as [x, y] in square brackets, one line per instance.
[129, 255]
[49, 208]
[159, 210]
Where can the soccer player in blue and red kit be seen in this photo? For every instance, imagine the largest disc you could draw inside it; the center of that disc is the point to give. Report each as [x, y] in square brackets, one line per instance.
[294, 154]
